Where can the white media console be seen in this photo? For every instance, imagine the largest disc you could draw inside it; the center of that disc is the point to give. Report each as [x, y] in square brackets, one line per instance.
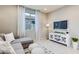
[60, 37]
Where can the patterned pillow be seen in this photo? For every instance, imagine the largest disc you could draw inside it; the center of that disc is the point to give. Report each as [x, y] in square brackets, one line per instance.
[9, 37]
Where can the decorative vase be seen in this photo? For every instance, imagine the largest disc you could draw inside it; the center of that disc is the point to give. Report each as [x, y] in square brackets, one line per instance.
[75, 45]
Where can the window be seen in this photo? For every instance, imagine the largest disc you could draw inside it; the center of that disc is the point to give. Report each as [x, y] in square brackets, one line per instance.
[29, 19]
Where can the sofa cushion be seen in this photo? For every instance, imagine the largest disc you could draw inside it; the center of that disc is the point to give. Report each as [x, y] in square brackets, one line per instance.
[18, 48]
[6, 48]
[9, 37]
[23, 40]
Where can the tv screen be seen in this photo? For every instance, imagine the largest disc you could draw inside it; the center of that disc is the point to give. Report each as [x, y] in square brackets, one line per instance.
[60, 24]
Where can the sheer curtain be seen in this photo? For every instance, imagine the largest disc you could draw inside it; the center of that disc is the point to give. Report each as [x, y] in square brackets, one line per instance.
[40, 25]
[37, 25]
[25, 22]
[21, 21]
[39, 32]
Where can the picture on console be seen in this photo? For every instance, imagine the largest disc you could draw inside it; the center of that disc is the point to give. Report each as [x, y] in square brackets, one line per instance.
[60, 24]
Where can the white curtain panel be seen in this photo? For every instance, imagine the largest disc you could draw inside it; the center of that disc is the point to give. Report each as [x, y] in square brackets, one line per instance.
[40, 23]
[21, 21]
[37, 25]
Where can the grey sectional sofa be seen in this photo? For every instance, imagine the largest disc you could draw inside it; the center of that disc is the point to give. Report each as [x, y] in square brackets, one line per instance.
[17, 44]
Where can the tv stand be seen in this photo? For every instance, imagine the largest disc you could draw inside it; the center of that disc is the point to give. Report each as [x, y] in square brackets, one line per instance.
[60, 37]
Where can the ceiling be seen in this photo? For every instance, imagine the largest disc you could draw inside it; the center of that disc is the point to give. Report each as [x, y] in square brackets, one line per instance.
[45, 8]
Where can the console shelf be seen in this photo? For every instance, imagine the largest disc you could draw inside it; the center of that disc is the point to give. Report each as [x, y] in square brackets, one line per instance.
[60, 37]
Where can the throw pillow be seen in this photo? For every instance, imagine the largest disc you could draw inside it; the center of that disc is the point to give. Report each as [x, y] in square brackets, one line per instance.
[9, 37]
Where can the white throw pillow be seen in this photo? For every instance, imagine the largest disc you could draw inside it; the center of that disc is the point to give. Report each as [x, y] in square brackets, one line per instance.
[9, 37]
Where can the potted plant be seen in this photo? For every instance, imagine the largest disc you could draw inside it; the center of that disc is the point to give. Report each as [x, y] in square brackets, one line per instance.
[75, 43]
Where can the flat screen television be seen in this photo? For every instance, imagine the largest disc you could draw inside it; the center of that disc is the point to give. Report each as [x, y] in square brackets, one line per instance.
[60, 24]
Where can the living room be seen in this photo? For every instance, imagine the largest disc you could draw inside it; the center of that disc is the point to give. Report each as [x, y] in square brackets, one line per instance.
[32, 26]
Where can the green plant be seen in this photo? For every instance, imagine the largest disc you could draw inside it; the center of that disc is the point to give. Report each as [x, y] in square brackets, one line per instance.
[75, 39]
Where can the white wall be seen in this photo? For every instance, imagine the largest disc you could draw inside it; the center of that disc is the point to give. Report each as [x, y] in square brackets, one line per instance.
[71, 13]
[8, 19]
